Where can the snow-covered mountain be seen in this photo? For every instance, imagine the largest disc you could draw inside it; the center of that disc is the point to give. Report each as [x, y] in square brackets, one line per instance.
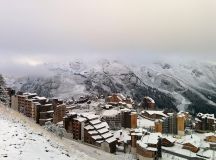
[188, 86]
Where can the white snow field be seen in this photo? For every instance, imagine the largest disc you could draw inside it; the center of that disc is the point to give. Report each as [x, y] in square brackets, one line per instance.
[22, 139]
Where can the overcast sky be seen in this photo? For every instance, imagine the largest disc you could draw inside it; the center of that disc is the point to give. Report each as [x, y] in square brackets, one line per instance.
[37, 31]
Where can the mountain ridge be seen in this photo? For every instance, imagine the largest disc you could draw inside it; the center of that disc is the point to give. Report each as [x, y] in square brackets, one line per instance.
[189, 86]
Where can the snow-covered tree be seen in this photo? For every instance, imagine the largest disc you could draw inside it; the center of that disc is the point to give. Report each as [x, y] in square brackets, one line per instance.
[3, 96]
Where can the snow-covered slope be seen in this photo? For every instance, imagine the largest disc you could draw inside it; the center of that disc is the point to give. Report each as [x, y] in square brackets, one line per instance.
[179, 86]
[19, 141]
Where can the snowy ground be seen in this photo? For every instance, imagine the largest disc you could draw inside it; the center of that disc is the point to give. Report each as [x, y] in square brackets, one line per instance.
[22, 139]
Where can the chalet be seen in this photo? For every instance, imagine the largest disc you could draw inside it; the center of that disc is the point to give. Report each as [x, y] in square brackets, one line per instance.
[168, 141]
[149, 147]
[192, 143]
[210, 137]
[153, 115]
[119, 99]
[148, 103]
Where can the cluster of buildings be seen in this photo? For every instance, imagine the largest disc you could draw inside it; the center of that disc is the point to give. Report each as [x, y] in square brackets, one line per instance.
[122, 118]
[117, 125]
[119, 99]
[171, 124]
[40, 109]
[85, 127]
[167, 123]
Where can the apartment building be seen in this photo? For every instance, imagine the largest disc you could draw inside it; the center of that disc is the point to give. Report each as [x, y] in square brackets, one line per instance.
[113, 118]
[205, 122]
[128, 118]
[90, 129]
[59, 110]
[159, 126]
[173, 124]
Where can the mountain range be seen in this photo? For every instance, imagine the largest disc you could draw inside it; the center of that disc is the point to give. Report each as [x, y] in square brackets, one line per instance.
[177, 86]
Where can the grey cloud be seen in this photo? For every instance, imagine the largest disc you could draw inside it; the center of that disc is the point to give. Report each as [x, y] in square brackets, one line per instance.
[132, 31]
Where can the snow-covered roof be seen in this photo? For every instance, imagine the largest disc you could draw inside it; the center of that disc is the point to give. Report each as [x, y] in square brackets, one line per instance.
[145, 146]
[88, 127]
[198, 120]
[192, 139]
[80, 119]
[106, 135]
[93, 132]
[145, 123]
[169, 138]
[129, 106]
[101, 125]
[29, 94]
[40, 98]
[94, 122]
[151, 139]
[110, 113]
[90, 116]
[103, 130]
[209, 116]
[210, 134]
[97, 137]
[107, 106]
[121, 96]
[125, 110]
[151, 112]
[110, 140]
[138, 130]
[49, 104]
[150, 99]
[122, 135]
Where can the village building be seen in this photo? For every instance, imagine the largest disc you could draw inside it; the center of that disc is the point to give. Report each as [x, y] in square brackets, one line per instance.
[191, 143]
[59, 110]
[128, 118]
[153, 114]
[205, 122]
[172, 124]
[210, 137]
[159, 125]
[168, 141]
[149, 147]
[123, 140]
[148, 103]
[90, 129]
[136, 135]
[113, 118]
[181, 124]
[117, 99]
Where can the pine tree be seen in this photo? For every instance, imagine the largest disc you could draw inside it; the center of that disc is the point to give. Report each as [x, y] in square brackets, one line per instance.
[3, 96]
[2, 81]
